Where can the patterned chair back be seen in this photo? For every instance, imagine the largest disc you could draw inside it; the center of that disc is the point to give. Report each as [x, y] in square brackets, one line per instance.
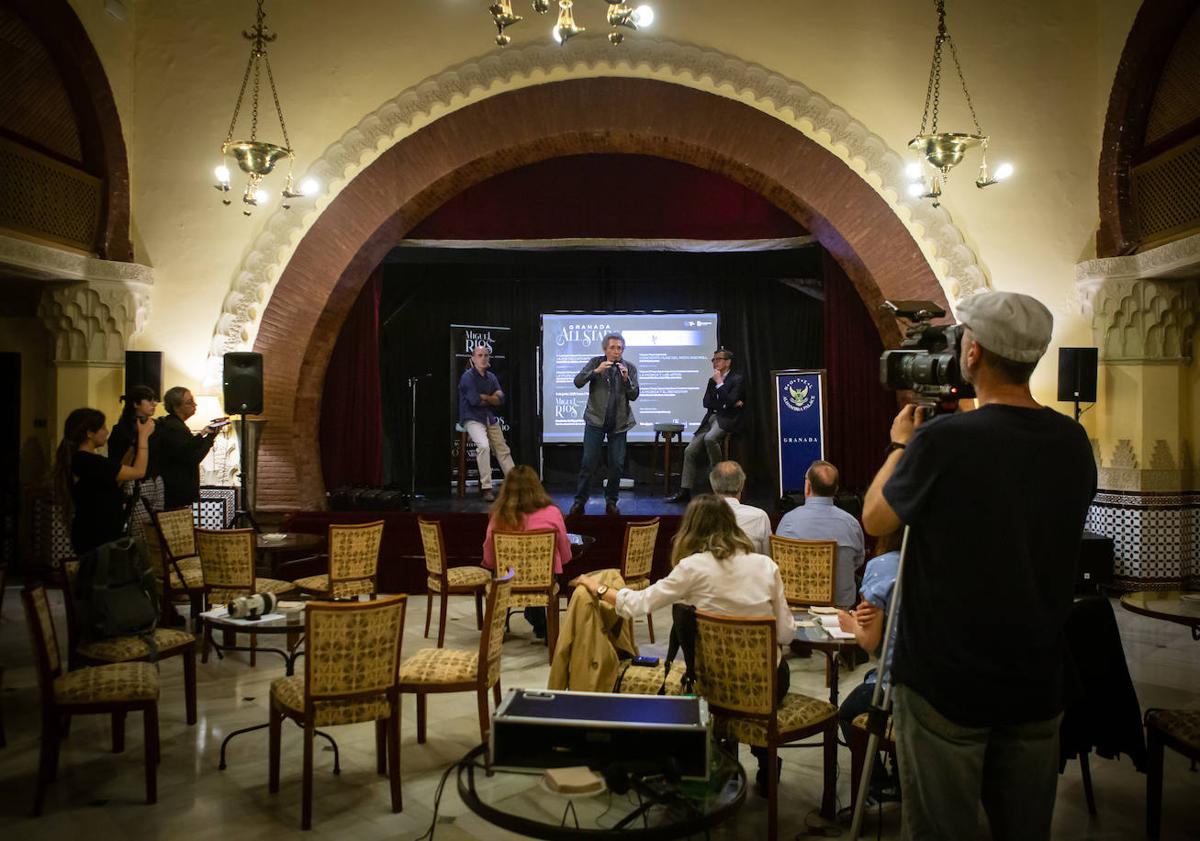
[530, 555]
[352, 651]
[45, 640]
[491, 641]
[353, 558]
[154, 553]
[808, 568]
[435, 551]
[176, 528]
[638, 557]
[227, 563]
[735, 663]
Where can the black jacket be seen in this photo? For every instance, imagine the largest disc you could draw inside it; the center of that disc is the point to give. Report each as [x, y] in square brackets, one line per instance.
[123, 438]
[721, 402]
[179, 456]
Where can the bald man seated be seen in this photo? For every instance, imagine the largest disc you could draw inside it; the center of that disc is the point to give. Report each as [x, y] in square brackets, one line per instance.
[819, 519]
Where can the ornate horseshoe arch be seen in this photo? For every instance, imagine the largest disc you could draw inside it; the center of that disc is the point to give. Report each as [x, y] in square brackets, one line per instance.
[510, 108]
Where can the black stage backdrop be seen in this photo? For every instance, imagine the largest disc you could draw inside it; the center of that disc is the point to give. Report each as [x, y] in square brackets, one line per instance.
[764, 317]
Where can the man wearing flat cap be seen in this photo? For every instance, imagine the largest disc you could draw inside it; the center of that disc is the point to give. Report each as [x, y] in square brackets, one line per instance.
[995, 500]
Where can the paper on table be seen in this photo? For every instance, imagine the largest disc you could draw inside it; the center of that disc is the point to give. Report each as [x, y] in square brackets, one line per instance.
[830, 625]
[223, 614]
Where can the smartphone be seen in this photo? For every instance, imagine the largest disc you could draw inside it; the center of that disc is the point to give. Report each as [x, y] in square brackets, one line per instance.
[645, 661]
[217, 423]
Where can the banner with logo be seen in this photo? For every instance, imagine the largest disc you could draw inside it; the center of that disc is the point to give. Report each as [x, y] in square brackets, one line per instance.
[799, 425]
[463, 340]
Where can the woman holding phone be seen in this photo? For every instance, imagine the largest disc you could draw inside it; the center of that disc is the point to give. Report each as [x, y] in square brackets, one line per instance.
[179, 451]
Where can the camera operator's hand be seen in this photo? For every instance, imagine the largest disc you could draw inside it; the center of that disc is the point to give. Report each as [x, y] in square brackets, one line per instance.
[906, 422]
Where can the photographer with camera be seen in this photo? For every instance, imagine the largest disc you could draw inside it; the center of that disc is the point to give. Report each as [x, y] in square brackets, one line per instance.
[995, 501]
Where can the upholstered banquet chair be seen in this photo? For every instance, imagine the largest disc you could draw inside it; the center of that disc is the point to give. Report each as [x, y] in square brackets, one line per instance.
[227, 561]
[808, 569]
[351, 668]
[447, 580]
[171, 544]
[168, 642]
[115, 689]
[530, 554]
[637, 559]
[436, 670]
[736, 673]
[353, 563]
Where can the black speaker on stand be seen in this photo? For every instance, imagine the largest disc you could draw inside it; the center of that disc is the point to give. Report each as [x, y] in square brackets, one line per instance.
[1077, 368]
[243, 395]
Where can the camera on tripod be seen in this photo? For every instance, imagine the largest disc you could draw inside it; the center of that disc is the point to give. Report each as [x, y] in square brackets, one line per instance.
[927, 362]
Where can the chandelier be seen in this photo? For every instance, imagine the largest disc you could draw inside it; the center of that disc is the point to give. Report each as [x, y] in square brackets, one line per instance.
[939, 151]
[257, 158]
[620, 15]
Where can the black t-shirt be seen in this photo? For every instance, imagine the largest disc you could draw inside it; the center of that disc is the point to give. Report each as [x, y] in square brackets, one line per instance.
[99, 501]
[996, 499]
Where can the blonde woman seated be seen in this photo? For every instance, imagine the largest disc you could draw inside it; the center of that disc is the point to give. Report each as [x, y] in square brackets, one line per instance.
[523, 505]
[716, 570]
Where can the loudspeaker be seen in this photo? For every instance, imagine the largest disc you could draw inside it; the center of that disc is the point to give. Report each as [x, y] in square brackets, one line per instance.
[243, 383]
[144, 367]
[1077, 374]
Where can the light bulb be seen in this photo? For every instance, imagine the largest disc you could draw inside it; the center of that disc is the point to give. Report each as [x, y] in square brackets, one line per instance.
[643, 16]
[222, 173]
[913, 171]
[261, 196]
[916, 189]
[309, 187]
[554, 34]
[1003, 171]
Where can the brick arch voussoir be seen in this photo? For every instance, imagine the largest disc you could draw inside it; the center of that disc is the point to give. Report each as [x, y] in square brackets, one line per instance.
[417, 174]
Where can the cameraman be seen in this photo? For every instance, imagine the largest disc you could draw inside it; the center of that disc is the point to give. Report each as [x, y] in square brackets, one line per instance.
[996, 500]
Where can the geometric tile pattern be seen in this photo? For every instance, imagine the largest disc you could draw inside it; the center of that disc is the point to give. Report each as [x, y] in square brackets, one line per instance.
[1156, 537]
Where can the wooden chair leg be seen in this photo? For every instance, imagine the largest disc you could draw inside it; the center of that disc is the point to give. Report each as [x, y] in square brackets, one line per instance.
[150, 735]
[650, 626]
[118, 732]
[393, 748]
[496, 692]
[1085, 771]
[420, 718]
[274, 728]
[381, 747]
[205, 643]
[428, 610]
[479, 608]
[442, 620]
[772, 794]
[552, 626]
[484, 714]
[829, 795]
[47, 761]
[306, 796]
[1154, 782]
[189, 683]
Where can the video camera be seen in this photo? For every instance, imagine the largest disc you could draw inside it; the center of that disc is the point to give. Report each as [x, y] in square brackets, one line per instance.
[252, 607]
[927, 362]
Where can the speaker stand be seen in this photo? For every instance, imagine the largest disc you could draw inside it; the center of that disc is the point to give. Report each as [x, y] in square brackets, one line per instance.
[242, 518]
[1077, 412]
[413, 496]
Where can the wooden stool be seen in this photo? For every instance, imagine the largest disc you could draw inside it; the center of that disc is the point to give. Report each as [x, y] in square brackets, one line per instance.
[462, 460]
[669, 432]
[737, 440]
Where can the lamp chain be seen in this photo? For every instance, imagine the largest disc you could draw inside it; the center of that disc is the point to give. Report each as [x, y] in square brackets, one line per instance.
[963, 80]
[934, 89]
[279, 110]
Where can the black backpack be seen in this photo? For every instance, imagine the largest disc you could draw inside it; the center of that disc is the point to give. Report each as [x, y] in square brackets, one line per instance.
[116, 593]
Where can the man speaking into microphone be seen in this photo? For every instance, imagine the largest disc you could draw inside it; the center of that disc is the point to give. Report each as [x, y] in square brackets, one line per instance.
[612, 384]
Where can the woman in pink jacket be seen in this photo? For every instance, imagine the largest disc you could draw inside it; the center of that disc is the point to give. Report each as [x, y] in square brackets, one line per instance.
[523, 505]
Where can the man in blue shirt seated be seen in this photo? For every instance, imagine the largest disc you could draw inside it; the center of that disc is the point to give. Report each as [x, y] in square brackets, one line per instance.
[819, 519]
[479, 396]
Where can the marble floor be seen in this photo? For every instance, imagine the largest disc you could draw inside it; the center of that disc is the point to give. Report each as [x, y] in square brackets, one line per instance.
[100, 795]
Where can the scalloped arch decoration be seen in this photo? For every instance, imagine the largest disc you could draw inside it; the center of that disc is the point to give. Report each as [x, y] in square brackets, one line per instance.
[943, 244]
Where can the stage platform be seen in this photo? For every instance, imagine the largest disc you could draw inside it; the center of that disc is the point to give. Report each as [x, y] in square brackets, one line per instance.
[464, 523]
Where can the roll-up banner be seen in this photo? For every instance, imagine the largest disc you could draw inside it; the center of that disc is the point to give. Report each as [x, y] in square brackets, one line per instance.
[463, 340]
[799, 425]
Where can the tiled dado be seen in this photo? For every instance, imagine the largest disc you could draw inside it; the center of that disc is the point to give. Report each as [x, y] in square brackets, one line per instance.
[1156, 537]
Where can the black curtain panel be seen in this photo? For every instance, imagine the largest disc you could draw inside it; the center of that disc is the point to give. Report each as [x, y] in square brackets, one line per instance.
[770, 314]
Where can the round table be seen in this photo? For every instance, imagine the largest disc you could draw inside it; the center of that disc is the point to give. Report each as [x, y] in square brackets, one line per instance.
[1168, 605]
[270, 545]
[517, 800]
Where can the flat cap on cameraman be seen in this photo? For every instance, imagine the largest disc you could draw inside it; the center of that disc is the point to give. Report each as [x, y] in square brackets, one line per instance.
[1008, 324]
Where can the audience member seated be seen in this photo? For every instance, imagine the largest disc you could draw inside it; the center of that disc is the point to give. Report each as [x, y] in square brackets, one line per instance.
[819, 519]
[88, 485]
[524, 505]
[715, 569]
[728, 480]
[867, 623]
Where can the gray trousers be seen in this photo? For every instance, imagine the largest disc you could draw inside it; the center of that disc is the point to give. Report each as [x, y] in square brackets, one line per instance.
[705, 444]
[946, 769]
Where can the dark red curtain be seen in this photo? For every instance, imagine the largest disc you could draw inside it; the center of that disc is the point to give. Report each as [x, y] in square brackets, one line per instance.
[351, 417]
[859, 410]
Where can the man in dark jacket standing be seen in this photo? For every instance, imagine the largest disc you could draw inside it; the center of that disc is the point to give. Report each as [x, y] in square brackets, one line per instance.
[179, 451]
[612, 385]
[724, 398]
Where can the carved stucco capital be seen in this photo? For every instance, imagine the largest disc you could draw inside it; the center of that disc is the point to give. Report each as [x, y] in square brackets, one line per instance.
[94, 321]
[1142, 319]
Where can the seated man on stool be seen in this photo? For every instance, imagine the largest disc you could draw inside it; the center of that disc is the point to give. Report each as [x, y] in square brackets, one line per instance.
[725, 404]
[479, 396]
[819, 519]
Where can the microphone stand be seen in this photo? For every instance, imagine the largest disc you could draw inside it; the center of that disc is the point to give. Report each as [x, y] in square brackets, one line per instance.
[413, 496]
